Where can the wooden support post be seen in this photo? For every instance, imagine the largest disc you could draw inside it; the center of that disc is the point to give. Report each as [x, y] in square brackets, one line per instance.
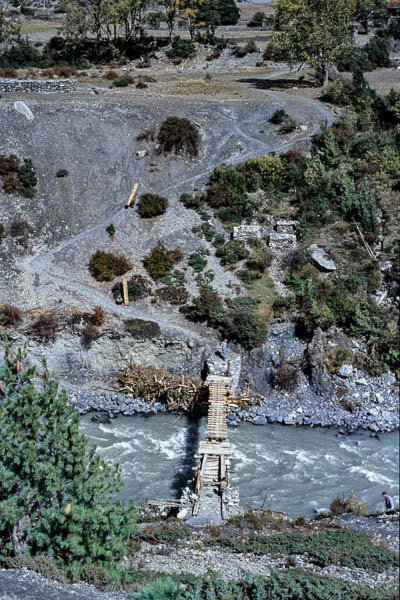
[132, 195]
[125, 296]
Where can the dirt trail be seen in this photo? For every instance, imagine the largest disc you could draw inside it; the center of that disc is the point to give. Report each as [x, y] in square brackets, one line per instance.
[63, 283]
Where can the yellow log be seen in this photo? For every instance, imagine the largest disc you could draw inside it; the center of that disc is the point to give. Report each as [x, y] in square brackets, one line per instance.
[132, 195]
[125, 296]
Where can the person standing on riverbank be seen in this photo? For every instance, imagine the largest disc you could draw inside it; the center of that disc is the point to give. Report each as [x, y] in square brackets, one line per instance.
[389, 504]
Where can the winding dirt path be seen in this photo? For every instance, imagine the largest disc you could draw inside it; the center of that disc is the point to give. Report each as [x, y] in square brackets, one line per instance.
[64, 283]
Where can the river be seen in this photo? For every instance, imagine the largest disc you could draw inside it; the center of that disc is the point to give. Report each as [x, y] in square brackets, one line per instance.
[297, 470]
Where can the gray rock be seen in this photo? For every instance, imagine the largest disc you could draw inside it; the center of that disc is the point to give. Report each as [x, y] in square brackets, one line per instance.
[260, 421]
[361, 381]
[289, 420]
[321, 258]
[346, 370]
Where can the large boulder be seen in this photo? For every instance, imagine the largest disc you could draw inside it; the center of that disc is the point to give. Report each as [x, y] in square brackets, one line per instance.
[321, 258]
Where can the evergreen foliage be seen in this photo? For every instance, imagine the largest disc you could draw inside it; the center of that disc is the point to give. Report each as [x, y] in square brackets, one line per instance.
[55, 493]
[152, 205]
[291, 585]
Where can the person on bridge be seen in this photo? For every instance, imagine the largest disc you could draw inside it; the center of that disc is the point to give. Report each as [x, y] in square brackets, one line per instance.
[389, 504]
[223, 487]
[224, 348]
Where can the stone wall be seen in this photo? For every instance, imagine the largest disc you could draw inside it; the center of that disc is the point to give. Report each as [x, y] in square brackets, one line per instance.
[40, 85]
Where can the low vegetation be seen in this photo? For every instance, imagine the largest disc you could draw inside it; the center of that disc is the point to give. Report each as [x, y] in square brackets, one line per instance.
[138, 288]
[159, 262]
[104, 266]
[291, 585]
[343, 547]
[151, 205]
[141, 329]
[45, 326]
[10, 315]
[180, 136]
[18, 178]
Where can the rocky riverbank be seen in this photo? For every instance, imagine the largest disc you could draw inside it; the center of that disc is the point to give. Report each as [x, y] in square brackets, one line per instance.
[197, 551]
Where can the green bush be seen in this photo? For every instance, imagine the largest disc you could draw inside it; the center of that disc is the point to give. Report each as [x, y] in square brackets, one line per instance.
[181, 48]
[55, 493]
[231, 252]
[197, 260]
[173, 294]
[243, 325]
[110, 229]
[343, 547]
[257, 19]
[190, 201]
[138, 288]
[152, 205]
[142, 330]
[179, 136]
[104, 266]
[207, 307]
[122, 82]
[288, 585]
[23, 54]
[160, 261]
[278, 116]
[18, 178]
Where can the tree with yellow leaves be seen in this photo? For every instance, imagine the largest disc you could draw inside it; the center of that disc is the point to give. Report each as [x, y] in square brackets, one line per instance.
[315, 32]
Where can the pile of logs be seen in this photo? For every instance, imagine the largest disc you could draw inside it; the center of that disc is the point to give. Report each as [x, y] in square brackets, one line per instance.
[151, 384]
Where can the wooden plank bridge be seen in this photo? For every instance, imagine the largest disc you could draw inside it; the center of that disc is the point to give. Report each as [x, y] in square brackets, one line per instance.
[214, 448]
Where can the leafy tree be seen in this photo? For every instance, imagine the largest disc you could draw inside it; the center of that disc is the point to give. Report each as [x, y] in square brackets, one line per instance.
[105, 19]
[55, 493]
[369, 10]
[315, 32]
[9, 29]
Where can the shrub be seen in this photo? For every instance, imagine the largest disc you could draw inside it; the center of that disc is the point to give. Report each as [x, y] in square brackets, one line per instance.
[284, 377]
[110, 229]
[64, 70]
[62, 173]
[278, 116]
[57, 498]
[190, 201]
[350, 504]
[8, 72]
[210, 39]
[138, 287]
[20, 230]
[151, 205]
[2, 232]
[288, 125]
[99, 316]
[260, 260]
[90, 333]
[22, 54]
[27, 176]
[123, 82]
[160, 261]
[18, 178]
[45, 326]
[10, 314]
[197, 260]
[110, 75]
[173, 294]
[207, 307]
[243, 325]
[339, 92]
[104, 266]
[178, 135]
[231, 252]
[140, 329]
[181, 48]
[141, 85]
[257, 19]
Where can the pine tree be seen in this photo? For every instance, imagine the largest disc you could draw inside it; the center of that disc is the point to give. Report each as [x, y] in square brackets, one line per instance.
[55, 493]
